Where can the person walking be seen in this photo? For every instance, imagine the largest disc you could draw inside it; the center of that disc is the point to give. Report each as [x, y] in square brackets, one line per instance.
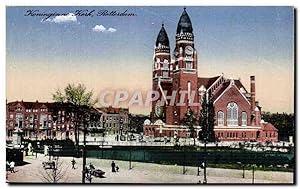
[117, 168]
[12, 167]
[73, 163]
[113, 167]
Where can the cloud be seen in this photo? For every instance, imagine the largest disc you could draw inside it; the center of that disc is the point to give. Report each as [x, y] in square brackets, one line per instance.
[62, 19]
[111, 30]
[101, 28]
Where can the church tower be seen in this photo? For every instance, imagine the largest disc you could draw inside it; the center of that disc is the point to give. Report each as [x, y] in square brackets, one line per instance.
[185, 76]
[161, 73]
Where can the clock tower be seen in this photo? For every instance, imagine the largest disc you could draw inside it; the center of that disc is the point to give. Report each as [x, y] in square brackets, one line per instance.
[185, 76]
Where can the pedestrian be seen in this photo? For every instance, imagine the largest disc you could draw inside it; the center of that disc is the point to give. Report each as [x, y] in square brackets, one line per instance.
[12, 167]
[73, 163]
[117, 168]
[92, 167]
[113, 166]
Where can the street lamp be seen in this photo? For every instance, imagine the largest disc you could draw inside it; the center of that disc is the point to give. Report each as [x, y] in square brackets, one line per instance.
[253, 169]
[85, 121]
[204, 171]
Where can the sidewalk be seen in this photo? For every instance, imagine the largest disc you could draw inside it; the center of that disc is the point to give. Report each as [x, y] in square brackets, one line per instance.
[143, 173]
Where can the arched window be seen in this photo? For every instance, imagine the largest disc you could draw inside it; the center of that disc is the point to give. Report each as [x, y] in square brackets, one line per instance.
[220, 118]
[189, 65]
[244, 119]
[232, 114]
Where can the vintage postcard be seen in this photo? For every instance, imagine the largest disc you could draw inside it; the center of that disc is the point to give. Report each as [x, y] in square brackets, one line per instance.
[150, 94]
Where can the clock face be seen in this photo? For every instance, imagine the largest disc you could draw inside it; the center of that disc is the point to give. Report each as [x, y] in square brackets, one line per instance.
[158, 109]
[189, 50]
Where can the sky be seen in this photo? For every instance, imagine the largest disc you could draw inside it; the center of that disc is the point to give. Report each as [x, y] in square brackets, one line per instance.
[115, 52]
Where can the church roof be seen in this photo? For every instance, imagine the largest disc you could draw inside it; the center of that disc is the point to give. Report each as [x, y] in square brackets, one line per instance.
[184, 24]
[206, 81]
[239, 84]
[162, 37]
[221, 90]
[225, 85]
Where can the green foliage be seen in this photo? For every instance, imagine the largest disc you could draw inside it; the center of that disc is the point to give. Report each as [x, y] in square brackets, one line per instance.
[136, 122]
[207, 118]
[285, 123]
[77, 95]
[190, 121]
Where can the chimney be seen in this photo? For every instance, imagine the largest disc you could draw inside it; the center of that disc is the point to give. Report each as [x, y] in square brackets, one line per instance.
[252, 91]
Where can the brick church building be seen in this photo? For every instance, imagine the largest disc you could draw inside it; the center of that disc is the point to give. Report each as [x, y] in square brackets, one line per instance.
[237, 114]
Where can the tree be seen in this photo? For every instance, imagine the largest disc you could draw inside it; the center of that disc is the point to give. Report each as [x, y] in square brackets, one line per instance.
[190, 121]
[207, 118]
[77, 96]
[285, 123]
[136, 122]
[55, 173]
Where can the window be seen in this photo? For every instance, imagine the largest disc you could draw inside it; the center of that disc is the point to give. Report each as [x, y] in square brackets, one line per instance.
[232, 114]
[189, 65]
[220, 118]
[244, 119]
[165, 65]
[165, 73]
[11, 116]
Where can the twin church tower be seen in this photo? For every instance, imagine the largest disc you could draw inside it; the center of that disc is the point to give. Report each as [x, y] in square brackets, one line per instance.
[175, 79]
[172, 75]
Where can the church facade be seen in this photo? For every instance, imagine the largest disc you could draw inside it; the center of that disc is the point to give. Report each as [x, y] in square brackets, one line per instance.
[175, 79]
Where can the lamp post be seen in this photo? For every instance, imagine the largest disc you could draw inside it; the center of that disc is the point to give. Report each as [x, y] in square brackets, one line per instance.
[86, 120]
[253, 168]
[205, 141]
[204, 171]
[103, 134]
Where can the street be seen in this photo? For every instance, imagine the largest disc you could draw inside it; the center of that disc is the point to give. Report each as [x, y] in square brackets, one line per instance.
[141, 173]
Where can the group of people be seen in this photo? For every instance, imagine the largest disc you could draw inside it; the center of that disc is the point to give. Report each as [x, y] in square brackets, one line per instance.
[114, 167]
[10, 166]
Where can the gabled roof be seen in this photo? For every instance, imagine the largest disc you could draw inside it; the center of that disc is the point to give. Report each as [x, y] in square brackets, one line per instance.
[239, 84]
[268, 127]
[206, 81]
[225, 86]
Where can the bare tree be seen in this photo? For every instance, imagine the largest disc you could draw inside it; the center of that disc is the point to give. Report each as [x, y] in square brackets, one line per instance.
[55, 173]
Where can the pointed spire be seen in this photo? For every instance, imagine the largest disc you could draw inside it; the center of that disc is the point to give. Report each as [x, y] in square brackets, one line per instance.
[184, 23]
[162, 37]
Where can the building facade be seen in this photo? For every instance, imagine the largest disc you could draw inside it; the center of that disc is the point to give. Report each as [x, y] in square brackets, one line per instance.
[114, 120]
[43, 120]
[237, 114]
